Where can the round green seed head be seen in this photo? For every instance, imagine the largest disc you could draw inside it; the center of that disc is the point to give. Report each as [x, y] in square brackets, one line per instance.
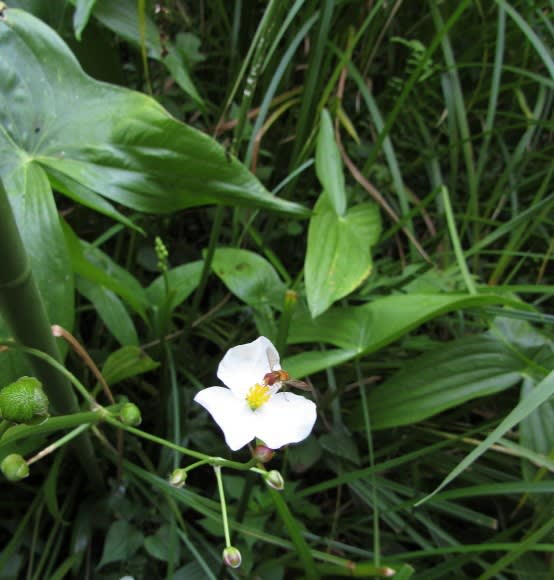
[23, 401]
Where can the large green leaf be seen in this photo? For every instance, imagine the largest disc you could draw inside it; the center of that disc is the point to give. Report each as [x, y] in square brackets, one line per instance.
[94, 265]
[474, 366]
[116, 143]
[182, 281]
[111, 310]
[358, 330]
[250, 277]
[338, 258]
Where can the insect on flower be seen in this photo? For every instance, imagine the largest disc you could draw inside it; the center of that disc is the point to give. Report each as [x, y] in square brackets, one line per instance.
[251, 404]
[281, 377]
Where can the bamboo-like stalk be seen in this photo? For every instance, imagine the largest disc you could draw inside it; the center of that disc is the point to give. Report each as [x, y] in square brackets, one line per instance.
[22, 308]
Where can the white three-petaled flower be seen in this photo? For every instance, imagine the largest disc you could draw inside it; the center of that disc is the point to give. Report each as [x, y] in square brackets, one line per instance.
[252, 406]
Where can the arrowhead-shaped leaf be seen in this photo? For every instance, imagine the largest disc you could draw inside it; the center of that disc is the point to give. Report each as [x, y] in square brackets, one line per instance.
[338, 258]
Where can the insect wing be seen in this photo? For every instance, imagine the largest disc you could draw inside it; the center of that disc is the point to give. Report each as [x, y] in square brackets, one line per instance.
[298, 385]
[273, 359]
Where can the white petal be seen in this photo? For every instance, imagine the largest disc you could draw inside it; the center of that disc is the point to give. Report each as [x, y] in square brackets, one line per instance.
[245, 365]
[285, 418]
[233, 415]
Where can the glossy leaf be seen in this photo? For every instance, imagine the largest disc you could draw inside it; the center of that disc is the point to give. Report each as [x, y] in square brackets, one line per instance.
[111, 310]
[328, 165]
[97, 267]
[449, 376]
[358, 330]
[250, 277]
[125, 363]
[117, 143]
[338, 258]
[375, 324]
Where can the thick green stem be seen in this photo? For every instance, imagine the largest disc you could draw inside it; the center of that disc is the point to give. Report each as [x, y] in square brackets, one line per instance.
[23, 310]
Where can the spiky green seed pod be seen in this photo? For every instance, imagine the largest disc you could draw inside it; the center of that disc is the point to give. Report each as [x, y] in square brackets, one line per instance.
[130, 415]
[24, 401]
[14, 467]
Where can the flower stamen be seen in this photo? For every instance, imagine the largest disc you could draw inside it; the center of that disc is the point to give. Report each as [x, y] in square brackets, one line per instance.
[257, 396]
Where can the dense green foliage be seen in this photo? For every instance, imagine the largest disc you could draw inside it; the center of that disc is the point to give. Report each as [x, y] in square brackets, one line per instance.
[369, 185]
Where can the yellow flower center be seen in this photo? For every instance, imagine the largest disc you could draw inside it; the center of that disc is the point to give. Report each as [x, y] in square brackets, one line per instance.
[257, 396]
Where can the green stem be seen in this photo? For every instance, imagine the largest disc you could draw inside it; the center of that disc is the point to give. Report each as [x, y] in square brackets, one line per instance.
[59, 443]
[224, 518]
[184, 450]
[54, 364]
[367, 425]
[23, 309]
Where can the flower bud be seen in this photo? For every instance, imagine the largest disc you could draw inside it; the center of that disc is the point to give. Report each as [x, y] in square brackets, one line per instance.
[130, 415]
[291, 298]
[232, 557]
[177, 477]
[14, 467]
[24, 401]
[262, 453]
[275, 480]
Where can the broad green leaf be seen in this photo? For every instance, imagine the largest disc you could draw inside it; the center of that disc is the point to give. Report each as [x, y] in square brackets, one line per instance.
[471, 367]
[97, 267]
[338, 258]
[125, 363]
[117, 143]
[359, 330]
[250, 277]
[369, 327]
[306, 363]
[328, 165]
[111, 311]
[121, 543]
[539, 395]
[182, 281]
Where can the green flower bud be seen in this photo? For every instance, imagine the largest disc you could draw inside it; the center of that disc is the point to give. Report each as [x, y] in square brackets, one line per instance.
[177, 478]
[130, 415]
[14, 467]
[275, 480]
[232, 557]
[24, 401]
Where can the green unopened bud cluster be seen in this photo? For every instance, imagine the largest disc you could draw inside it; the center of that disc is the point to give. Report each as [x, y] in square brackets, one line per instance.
[24, 401]
[161, 253]
[14, 467]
